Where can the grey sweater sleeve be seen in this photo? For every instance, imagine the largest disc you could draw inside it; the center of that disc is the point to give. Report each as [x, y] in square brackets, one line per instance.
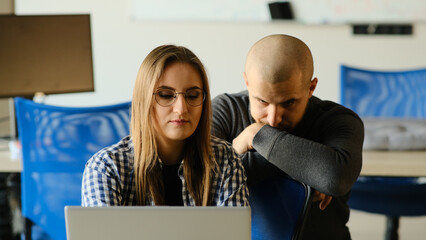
[331, 166]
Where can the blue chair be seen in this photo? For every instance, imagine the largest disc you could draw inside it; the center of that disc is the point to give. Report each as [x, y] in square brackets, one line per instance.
[381, 94]
[56, 143]
[398, 94]
[278, 208]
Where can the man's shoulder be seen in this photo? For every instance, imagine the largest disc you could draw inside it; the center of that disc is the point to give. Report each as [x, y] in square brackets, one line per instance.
[325, 114]
[324, 103]
[231, 114]
[232, 98]
[234, 104]
[330, 107]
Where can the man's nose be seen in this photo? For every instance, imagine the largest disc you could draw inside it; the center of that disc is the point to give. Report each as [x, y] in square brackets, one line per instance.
[179, 106]
[275, 114]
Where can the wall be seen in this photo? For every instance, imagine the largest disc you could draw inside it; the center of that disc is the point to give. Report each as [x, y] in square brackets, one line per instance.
[6, 7]
[308, 11]
[120, 44]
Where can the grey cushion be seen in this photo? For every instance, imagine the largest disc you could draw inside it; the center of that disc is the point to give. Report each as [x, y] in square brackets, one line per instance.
[394, 134]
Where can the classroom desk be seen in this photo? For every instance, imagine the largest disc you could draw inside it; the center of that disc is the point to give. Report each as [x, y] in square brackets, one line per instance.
[375, 163]
[394, 163]
[7, 165]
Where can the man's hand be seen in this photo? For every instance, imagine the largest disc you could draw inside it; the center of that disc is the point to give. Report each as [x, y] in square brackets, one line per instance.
[325, 199]
[244, 141]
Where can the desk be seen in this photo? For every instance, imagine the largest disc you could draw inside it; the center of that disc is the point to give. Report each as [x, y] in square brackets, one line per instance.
[7, 165]
[394, 163]
[375, 163]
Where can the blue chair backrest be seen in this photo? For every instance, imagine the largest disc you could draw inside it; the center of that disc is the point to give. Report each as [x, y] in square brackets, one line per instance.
[56, 143]
[395, 94]
[384, 94]
[278, 208]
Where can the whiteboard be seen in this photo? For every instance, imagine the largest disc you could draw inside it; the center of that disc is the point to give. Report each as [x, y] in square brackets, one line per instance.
[308, 11]
[204, 10]
[359, 11]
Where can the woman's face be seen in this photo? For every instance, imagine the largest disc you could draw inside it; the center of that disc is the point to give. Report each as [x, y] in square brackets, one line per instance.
[178, 121]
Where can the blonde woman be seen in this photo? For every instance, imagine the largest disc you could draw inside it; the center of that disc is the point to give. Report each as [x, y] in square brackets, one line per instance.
[170, 157]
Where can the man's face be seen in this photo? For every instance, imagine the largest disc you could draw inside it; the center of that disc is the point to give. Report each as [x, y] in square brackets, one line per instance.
[281, 105]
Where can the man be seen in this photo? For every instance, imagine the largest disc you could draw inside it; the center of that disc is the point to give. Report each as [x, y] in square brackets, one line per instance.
[279, 126]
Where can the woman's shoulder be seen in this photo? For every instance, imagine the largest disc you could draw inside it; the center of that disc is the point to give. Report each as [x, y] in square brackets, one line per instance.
[119, 154]
[223, 151]
[218, 143]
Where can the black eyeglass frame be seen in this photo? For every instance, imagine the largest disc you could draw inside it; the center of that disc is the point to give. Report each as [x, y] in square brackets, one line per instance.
[175, 95]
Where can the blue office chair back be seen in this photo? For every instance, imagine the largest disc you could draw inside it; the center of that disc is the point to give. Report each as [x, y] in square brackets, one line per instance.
[380, 94]
[278, 208]
[384, 94]
[56, 143]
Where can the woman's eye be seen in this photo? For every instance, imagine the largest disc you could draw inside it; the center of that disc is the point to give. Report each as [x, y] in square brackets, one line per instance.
[193, 94]
[166, 94]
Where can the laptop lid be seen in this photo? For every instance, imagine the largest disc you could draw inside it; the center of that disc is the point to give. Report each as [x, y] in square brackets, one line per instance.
[165, 222]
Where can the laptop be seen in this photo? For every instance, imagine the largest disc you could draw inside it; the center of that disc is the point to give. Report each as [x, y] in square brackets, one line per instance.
[158, 223]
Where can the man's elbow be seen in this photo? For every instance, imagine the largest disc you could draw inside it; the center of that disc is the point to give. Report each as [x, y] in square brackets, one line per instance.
[340, 185]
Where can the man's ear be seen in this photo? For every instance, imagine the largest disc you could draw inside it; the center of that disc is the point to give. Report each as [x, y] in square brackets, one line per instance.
[312, 86]
[245, 78]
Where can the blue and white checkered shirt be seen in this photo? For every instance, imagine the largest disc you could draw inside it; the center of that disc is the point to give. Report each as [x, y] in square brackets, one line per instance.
[108, 178]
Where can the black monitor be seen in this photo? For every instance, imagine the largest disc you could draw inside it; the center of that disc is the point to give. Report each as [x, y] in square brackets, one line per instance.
[45, 53]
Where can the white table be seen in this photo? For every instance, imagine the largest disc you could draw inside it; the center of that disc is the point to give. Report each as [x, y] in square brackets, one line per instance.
[375, 163]
[9, 165]
[394, 163]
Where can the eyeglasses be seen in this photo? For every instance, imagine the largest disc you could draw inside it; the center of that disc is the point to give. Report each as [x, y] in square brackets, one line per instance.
[166, 97]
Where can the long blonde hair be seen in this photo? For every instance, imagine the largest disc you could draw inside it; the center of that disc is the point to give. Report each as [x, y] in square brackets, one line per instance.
[197, 164]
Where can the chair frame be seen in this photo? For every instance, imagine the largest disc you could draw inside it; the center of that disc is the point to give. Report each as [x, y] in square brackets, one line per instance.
[291, 186]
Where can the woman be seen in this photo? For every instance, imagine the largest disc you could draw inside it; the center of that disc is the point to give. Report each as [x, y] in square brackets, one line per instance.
[170, 157]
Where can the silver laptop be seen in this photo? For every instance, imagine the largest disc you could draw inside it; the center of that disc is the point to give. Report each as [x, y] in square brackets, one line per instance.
[158, 223]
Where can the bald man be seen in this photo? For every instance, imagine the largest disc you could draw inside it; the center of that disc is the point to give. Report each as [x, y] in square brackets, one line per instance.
[279, 127]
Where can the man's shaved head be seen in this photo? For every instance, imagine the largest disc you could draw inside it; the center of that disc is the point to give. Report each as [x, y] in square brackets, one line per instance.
[276, 57]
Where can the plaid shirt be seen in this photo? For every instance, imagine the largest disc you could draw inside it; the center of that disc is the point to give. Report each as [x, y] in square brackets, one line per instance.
[108, 178]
